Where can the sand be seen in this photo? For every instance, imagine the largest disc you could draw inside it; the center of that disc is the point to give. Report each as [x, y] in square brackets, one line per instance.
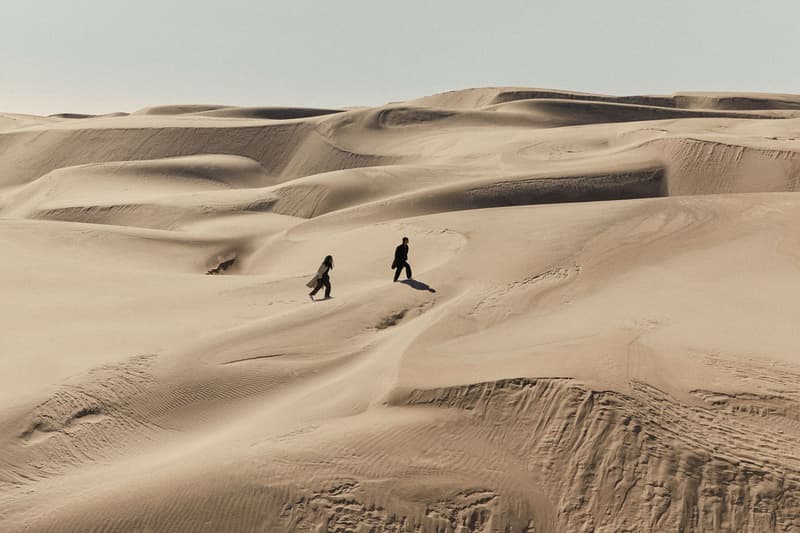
[601, 334]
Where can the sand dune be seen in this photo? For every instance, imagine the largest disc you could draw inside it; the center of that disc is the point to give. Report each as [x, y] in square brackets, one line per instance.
[600, 333]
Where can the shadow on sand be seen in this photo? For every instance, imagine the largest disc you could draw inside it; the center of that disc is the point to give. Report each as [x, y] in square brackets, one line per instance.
[420, 286]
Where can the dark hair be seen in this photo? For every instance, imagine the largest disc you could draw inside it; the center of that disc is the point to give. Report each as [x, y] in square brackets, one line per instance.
[405, 239]
[328, 261]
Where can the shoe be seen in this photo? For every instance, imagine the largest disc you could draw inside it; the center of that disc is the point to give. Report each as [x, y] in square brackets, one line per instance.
[311, 296]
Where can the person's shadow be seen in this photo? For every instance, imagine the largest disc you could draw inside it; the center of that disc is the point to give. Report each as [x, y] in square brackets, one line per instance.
[420, 286]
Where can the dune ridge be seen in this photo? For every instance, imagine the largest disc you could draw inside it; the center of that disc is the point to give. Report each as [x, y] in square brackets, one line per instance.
[599, 335]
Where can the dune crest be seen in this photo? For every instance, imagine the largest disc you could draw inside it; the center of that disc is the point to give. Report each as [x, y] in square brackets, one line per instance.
[599, 334]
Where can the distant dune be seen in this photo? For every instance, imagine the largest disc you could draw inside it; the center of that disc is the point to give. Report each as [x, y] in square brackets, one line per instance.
[600, 334]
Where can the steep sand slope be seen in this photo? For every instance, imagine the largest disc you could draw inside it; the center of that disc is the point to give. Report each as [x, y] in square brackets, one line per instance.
[600, 335]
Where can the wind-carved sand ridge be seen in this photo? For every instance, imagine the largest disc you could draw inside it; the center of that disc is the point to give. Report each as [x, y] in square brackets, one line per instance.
[600, 335]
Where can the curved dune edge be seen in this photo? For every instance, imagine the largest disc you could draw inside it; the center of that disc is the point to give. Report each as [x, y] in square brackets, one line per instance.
[599, 336]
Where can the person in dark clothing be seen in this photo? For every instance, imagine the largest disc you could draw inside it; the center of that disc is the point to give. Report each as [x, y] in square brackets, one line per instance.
[322, 278]
[401, 260]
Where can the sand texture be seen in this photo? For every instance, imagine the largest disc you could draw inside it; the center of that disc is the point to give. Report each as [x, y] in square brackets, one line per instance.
[601, 334]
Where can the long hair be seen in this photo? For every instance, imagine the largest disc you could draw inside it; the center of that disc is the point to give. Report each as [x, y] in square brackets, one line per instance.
[328, 261]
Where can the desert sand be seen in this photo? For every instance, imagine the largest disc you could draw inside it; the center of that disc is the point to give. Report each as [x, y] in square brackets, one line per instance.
[602, 334]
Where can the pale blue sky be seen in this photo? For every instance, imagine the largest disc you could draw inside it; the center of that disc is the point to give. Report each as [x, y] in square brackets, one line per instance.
[109, 55]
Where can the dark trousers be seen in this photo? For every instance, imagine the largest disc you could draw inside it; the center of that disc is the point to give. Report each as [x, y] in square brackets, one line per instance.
[323, 282]
[399, 268]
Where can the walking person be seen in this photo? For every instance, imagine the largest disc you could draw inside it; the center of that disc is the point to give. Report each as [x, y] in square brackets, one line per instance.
[322, 278]
[401, 260]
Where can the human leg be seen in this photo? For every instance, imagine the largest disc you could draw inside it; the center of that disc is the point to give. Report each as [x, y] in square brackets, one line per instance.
[317, 288]
[327, 284]
[408, 271]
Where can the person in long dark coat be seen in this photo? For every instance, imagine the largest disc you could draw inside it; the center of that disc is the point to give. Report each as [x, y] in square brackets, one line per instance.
[322, 278]
[401, 260]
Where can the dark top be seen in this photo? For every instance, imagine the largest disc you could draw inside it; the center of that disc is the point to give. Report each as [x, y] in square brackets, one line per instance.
[401, 254]
[325, 275]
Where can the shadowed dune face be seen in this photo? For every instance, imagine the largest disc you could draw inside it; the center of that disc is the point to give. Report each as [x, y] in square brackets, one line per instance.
[599, 334]
[274, 113]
